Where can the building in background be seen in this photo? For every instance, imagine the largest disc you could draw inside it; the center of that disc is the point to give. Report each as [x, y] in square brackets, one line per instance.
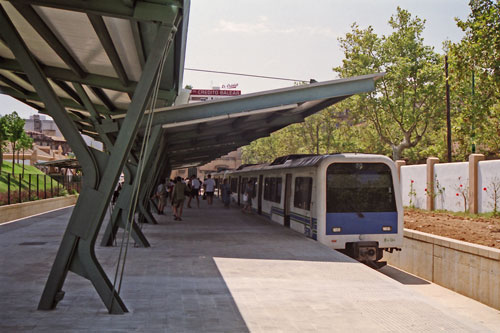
[230, 161]
[46, 133]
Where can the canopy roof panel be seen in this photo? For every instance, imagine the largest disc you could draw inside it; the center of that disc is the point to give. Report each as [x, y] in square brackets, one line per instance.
[198, 133]
[100, 44]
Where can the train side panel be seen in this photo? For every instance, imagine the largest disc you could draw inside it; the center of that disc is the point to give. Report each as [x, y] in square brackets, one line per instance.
[303, 216]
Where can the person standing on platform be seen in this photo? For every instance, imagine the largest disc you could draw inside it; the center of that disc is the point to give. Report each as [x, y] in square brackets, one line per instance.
[195, 190]
[161, 195]
[247, 197]
[209, 186]
[178, 195]
[226, 193]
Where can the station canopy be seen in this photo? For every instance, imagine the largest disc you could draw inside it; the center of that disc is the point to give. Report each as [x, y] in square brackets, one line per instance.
[93, 54]
[113, 70]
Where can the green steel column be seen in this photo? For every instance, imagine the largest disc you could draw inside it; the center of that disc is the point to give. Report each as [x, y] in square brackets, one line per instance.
[77, 252]
[125, 203]
[151, 181]
[120, 216]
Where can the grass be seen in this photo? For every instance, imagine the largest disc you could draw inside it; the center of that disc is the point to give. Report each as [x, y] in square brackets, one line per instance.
[7, 168]
[47, 187]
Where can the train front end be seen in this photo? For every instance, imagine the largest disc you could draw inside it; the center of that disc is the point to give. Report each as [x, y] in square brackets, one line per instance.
[362, 213]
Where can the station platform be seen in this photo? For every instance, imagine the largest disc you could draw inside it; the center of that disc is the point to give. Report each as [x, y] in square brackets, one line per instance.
[221, 270]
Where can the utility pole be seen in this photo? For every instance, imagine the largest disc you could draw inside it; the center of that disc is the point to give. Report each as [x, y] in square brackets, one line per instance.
[448, 116]
[473, 117]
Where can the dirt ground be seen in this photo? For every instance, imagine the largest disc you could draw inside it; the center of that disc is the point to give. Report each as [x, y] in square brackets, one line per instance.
[483, 231]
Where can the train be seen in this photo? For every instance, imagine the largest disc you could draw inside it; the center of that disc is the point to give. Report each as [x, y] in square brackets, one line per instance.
[350, 202]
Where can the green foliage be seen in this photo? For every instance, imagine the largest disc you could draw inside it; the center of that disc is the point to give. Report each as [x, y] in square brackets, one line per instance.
[475, 81]
[405, 115]
[15, 125]
[4, 136]
[407, 100]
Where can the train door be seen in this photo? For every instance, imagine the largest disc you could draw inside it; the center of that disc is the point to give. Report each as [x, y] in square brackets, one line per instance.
[239, 189]
[288, 193]
[259, 199]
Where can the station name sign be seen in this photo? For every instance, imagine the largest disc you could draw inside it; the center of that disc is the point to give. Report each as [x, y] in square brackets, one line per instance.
[215, 92]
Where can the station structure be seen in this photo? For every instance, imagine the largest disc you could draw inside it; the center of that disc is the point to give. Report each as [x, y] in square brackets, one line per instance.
[113, 70]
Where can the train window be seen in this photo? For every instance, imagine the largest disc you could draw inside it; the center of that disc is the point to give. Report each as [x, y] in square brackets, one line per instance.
[243, 184]
[277, 195]
[359, 187]
[302, 193]
[267, 189]
[234, 185]
[272, 189]
[254, 181]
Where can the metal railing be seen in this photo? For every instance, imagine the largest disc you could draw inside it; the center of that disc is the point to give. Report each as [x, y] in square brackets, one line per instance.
[30, 187]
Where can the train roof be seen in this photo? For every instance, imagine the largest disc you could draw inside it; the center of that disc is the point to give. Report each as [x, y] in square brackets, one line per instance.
[296, 161]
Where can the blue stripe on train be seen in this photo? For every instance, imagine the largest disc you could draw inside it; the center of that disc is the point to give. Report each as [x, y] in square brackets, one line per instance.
[313, 233]
[370, 223]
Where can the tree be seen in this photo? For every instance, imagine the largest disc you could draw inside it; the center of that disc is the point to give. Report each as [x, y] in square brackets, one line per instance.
[407, 100]
[4, 136]
[25, 142]
[328, 131]
[15, 126]
[475, 80]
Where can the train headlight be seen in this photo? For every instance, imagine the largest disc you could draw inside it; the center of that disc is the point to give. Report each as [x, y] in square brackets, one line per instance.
[386, 228]
[336, 229]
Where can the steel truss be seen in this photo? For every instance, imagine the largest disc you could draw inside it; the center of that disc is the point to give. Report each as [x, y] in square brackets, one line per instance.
[77, 250]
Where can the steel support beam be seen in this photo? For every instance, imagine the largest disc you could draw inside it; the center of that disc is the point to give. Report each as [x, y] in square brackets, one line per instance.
[65, 102]
[76, 252]
[156, 167]
[99, 93]
[13, 85]
[107, 43]
[46, 33]
[204, 111]
[93, 80]
[142, 11]
[125, 203]
[121, 213]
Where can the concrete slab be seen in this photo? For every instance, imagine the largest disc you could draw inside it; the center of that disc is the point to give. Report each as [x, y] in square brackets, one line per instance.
[220, 271]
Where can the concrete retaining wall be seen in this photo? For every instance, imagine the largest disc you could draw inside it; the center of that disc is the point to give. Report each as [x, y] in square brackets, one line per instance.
[25, 209]
[469, 269]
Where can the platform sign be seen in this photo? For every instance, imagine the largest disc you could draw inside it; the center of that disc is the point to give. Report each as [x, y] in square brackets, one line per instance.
[199, 95]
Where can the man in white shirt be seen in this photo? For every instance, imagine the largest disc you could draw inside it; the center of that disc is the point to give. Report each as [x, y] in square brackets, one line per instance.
[209, 186]
[195, 185]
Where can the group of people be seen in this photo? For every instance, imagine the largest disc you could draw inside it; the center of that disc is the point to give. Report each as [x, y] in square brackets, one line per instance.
[178, 189]
[247, 195]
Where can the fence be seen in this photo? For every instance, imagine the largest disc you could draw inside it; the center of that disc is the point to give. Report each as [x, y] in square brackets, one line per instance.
[465, 186]
[19, 188]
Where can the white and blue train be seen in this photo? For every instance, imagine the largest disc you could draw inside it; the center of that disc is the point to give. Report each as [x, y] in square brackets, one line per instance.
[349, 202]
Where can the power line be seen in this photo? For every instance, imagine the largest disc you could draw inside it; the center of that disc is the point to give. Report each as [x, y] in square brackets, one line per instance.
[241, 74]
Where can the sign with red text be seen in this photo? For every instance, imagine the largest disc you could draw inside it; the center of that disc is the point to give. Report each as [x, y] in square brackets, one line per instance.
[199, 95]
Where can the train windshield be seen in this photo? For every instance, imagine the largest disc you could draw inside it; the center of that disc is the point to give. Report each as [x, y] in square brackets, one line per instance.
[359, 187]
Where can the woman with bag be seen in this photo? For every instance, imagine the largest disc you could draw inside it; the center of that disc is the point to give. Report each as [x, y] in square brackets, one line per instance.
[247, 197]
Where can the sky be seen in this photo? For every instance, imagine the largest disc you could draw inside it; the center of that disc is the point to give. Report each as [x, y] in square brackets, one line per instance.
[293, 39]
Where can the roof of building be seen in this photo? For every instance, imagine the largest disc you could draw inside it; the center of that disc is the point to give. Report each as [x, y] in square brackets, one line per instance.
[71, 163]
